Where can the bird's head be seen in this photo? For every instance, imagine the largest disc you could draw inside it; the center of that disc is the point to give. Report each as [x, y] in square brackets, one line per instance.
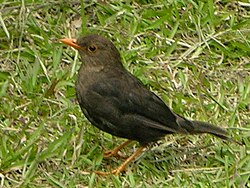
[95, 49]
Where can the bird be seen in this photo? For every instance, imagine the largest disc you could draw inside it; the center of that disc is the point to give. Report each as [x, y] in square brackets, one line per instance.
[117, 102]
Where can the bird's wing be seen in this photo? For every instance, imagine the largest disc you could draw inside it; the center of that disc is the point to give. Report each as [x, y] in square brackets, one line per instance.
[144, 102]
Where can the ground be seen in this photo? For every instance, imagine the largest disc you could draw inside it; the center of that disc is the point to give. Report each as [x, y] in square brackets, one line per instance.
[194, 54]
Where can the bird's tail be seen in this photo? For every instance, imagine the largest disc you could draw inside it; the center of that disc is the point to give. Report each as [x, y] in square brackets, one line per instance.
[204, 127]
[198, 127]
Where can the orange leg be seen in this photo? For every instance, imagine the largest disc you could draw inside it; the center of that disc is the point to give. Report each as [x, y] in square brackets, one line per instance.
[123, 165]
[115, 151]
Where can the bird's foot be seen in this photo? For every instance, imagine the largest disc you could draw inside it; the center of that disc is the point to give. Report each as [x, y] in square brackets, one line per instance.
[115, 172]
[114, 153]
[122, 168]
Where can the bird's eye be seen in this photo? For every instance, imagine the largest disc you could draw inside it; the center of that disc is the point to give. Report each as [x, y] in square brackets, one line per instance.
[92, 48]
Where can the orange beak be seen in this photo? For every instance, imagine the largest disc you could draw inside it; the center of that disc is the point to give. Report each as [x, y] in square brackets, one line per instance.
[71, 42]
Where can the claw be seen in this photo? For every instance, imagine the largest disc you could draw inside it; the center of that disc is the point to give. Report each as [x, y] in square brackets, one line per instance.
[123, 166]
[115, 151]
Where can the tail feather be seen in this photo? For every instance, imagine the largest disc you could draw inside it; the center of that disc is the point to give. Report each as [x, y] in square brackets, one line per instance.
[198, 127]
[204, 127]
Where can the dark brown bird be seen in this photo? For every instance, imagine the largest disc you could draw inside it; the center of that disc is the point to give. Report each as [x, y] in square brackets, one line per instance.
[117, 102]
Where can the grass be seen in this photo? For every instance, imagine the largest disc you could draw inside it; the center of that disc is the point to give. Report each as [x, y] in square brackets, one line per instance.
[193, 54]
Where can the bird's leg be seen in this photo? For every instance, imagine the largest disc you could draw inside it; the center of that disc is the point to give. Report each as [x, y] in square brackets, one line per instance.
[115, 151]
[122, 167]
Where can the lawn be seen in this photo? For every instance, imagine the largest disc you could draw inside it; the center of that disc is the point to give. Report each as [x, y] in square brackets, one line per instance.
[194, 54]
